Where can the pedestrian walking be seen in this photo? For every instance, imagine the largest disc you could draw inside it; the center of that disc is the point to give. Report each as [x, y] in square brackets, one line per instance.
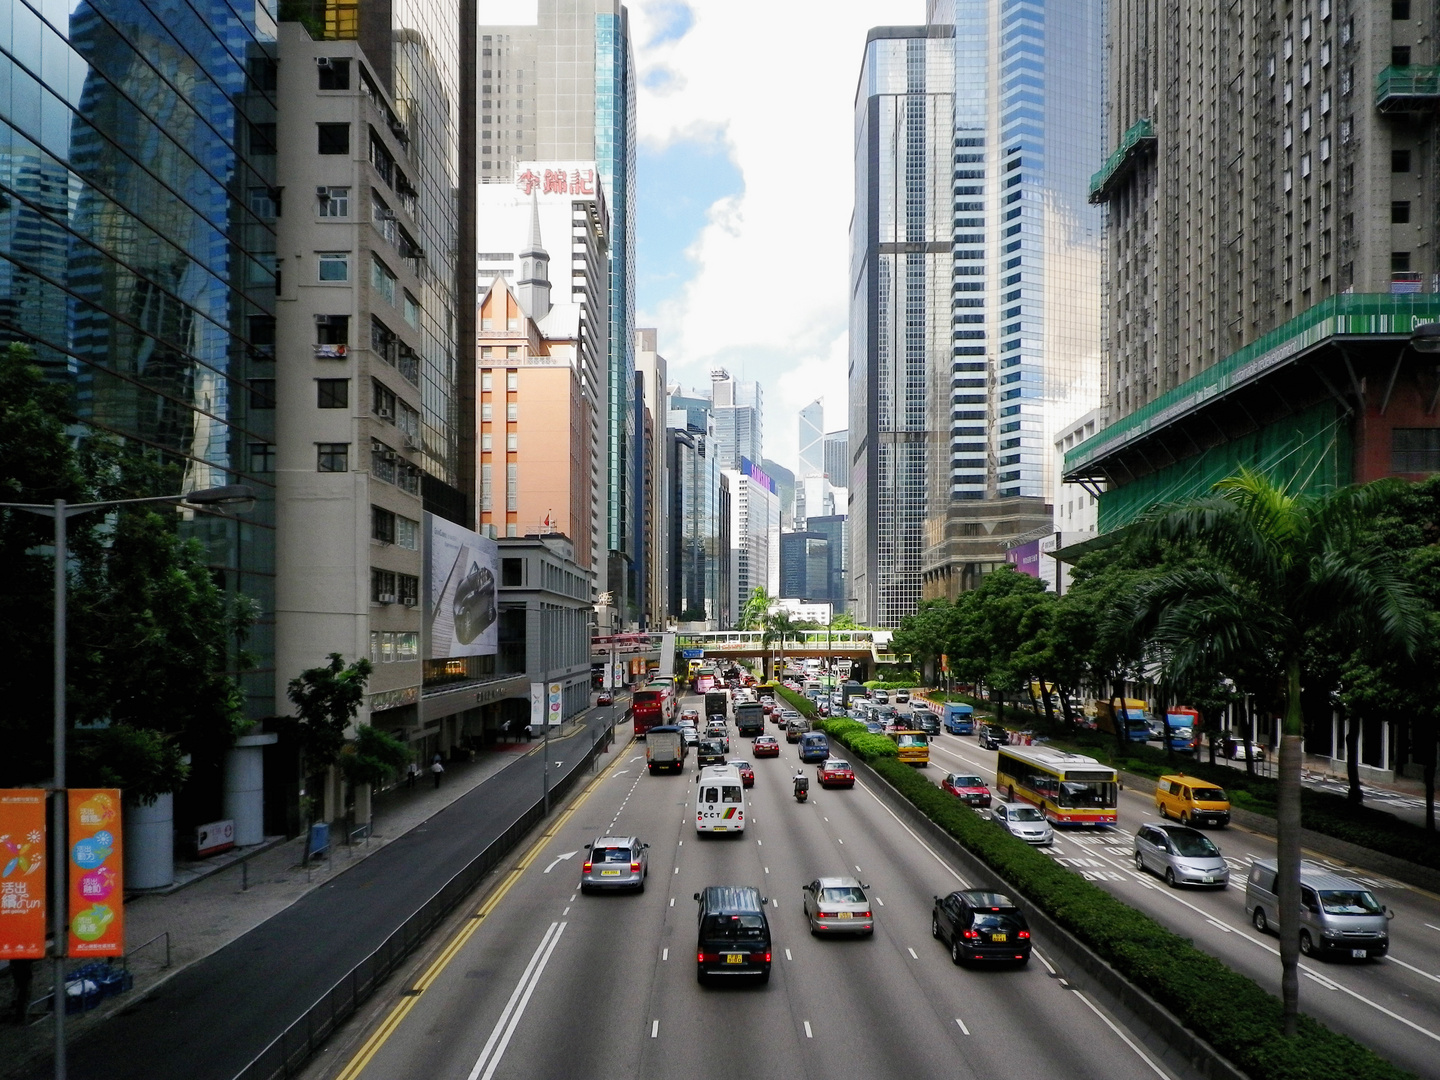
[411, 772]
[436, 769]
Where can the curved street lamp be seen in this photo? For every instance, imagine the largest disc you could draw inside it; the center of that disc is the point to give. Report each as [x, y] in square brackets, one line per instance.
[238, 496]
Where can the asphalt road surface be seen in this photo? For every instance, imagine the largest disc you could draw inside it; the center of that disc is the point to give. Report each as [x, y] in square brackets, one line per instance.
[1390, 1004]
[549, 983]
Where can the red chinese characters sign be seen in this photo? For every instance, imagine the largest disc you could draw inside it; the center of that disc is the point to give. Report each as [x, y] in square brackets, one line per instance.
[97, 892]
[22, 874]
[556, 181]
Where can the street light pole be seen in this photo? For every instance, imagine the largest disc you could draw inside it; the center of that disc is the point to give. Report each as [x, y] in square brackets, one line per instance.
[235, 494]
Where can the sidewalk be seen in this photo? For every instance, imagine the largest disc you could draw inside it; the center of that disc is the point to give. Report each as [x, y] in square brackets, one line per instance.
[202, 918]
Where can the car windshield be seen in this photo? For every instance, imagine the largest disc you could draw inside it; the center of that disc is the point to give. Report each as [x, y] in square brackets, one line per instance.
[1192, 844]
[967, 781]
[850, 894]
[835, 765]
[1209, 794]
[1026, 813]
[913, 739]
[734, 928]
[710, 746]
[996, 920]
[1076, 794]
[614, 854]
[1349, 902]
[741, 765]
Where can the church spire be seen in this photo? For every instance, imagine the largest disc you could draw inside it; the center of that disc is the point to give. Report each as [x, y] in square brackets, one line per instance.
[533, 288]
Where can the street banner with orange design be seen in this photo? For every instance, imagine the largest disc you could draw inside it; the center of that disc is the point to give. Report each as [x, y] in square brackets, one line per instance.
[22, 874]
[97, 888]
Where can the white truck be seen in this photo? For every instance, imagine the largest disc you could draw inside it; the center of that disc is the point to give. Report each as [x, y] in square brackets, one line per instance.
[665, 749]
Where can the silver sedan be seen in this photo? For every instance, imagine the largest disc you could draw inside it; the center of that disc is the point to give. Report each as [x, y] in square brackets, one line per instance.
[1181, 855]
[1023, 821]
[838, 905]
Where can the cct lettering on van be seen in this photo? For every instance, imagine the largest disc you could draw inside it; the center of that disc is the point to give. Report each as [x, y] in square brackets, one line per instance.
[720, 801]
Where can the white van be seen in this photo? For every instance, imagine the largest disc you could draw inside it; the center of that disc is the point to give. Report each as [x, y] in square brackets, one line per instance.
[719, 800]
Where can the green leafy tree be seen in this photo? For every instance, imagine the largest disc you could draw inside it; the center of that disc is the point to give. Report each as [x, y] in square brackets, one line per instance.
[844, 621]
[326, 700]
[373, 757]
[1283, 565]
[756, 609]
[927, 635]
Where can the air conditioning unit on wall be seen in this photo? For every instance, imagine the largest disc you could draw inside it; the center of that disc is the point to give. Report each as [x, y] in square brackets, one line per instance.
[386, 598]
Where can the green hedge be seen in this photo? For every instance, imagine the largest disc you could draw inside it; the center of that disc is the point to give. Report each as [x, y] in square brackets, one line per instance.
[1225, 1008]
[854, 735]
[802, 704]
[901, 684]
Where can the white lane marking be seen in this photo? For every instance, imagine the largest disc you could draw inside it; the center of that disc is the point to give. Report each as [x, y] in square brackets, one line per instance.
[1321, 980]
[1432, 926]
[677, 869]
[857, 869]
[927, 847]
[637, 757]
[912, 954]
[760, 843]
[1411, 967]
[558, 860]
[572, 898]
[807, 1030]
[777, 903]
[680, 844]
[664, 954]
[1219, 925]
[565, 912]
[672, 901]
[654, 1029]
[787, 955]
[963, 1029]
[620, 772]
[879, 901]
[1124, 1038]
[1048, 966]
[494, 1050]
[767, 869]
[827, 819]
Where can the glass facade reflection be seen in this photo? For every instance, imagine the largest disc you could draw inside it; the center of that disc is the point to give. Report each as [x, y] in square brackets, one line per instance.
[137, 242]
[699, 531]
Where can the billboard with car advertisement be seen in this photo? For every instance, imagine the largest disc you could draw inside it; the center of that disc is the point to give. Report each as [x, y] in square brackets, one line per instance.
[460, 611]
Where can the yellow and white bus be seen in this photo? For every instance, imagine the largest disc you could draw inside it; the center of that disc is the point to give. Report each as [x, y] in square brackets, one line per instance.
[1069, 789]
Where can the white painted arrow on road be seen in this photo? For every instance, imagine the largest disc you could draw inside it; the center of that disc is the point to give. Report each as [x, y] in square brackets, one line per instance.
[556, 861]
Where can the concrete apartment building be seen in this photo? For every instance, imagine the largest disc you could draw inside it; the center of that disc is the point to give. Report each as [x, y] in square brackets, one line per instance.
[1271, 281]
[364, 386]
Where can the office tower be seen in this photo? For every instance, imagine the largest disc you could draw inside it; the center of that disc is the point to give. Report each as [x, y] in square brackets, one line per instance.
[1265, 276]
[785, 488]
[137, 228]
[837, 458]
[1026, 272]
[523, 228]
[367, 394]
[701, 589]
[754, 532]
[834, 530]
[812, 440]
[900, 276]
[805, 567]
[650, 368]
[736, 407]
[557, 84]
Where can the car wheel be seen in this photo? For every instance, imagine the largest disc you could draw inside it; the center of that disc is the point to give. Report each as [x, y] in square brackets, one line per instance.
[1161, 808]
[1139, 861]
[1170, 877]
[641, 887]
[764, 977]
[1259, 921]
[934, 927]
[955, 951]
[584, 890]
[1185, 817]
[1307, 943]
[700, 976]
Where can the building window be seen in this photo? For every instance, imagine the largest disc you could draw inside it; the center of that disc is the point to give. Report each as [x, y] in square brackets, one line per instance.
[332, 457]
[335, 203]
[512, 380]
[1399, 262]
[334, 265]
[1399, 161]
[407, 533]
[512, 442]
[334, 72]
[485, 443]
[382, 525]
[332, 393]
[382, 586]
[262, 140]
[262, 202]
[1399, 213]
[382, 400]
[1415, 450]
[512, 530]
[412, 310]
[486, 488]
[409, 589]
[512, 486]
[486, 382]
[332, 329]
[333, 138]
[262, 393]
[1400, 55]
[512, 572]
[382, 280]
[512, 412]
[1399, 9]
[262, 335]
[262, 457]
[486, 411]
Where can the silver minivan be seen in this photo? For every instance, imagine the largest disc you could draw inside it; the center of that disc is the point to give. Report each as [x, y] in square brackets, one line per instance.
[1180, 854]
[1338, 916]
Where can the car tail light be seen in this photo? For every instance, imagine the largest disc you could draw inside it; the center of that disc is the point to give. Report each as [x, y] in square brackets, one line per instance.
[767, 957]
[865, 914]
[1024, 935]
[635, 867]
[585, 869]
[970, 935]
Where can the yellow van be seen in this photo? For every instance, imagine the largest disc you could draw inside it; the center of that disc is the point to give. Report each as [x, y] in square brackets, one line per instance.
[1192, 800]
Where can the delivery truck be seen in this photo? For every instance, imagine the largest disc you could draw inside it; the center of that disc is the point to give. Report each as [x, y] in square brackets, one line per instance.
[665, 749]
[1132, 713]
[750, 718]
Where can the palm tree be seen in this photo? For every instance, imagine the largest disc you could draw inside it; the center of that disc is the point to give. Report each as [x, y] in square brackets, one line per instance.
[777, 625]
[1285, 565]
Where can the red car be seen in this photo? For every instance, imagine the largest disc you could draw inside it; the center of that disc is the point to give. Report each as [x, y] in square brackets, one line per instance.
[747, 774]
[836, 773]
[766, 708]
[766, 746]
[605, 698]
[967, 788]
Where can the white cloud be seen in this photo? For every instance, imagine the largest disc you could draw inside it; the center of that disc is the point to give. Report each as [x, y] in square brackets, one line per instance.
[768, 292]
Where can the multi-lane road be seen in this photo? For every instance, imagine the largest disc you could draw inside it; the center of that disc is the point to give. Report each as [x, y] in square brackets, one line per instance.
[1392, 1004]
[536, 980]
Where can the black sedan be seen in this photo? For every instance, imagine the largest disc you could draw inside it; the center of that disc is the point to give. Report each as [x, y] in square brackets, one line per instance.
[993, 736]
[923, 720]
[710, 752]
[979, 925]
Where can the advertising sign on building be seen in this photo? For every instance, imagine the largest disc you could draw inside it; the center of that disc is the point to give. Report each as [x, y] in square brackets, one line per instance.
[22, 874]
[460, 614]
[1025, 558]
[571, 179]
[97, 862]
[757, 474]
[546, 700]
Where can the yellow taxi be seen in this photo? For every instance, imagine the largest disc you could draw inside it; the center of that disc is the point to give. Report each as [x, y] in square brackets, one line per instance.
[1192, 800]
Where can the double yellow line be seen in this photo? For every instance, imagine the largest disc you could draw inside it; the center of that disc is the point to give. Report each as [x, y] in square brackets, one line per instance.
[402, 1008]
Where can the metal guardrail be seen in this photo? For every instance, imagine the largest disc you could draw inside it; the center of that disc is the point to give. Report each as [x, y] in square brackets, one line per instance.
[287, 1054]
[1412, 86]
[1138, 133]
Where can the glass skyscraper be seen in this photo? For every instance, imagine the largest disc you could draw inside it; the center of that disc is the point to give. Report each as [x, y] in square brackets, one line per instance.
[900, 279]
[137, 244]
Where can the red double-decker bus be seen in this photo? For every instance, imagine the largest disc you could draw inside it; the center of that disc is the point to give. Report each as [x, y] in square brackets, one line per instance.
[652, 706]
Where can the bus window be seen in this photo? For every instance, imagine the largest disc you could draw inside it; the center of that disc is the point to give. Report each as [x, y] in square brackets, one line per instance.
[730, 794]
[1076, 794]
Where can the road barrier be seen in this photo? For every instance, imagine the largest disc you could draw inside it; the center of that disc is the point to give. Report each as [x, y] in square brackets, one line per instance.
[287, 1055]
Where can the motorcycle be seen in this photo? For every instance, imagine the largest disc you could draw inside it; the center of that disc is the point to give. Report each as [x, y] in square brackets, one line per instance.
[802, 788]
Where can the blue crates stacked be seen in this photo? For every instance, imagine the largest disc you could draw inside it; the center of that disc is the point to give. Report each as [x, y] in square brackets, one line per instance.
[90, 984]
